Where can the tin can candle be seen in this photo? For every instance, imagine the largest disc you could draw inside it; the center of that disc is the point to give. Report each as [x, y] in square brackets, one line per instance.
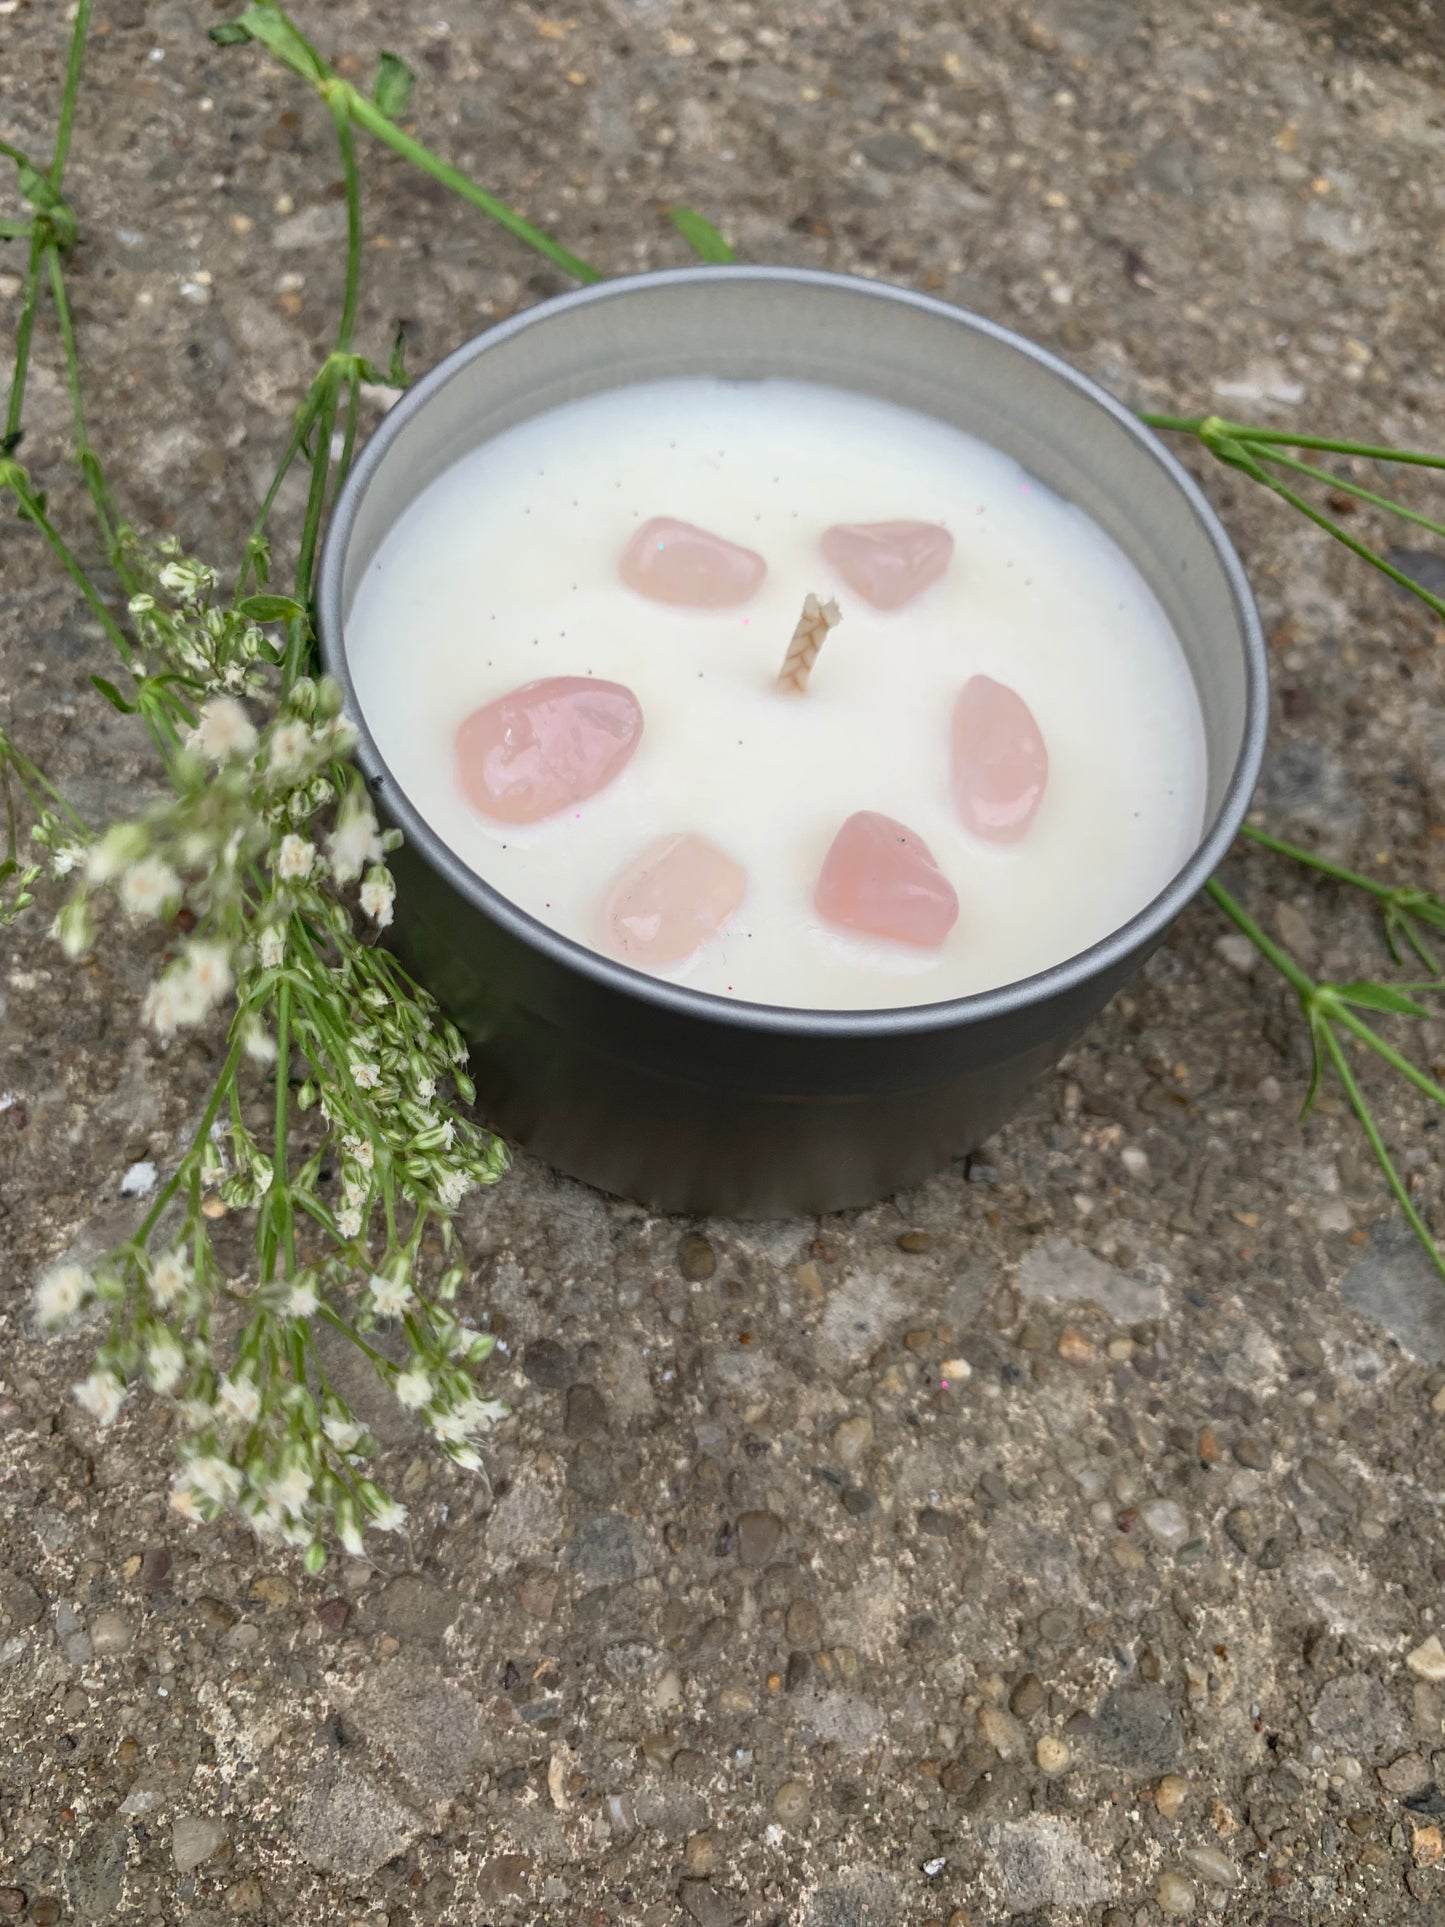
[729, 938]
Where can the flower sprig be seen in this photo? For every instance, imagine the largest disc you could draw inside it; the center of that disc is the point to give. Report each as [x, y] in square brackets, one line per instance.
[269, 854]
[1410, 913]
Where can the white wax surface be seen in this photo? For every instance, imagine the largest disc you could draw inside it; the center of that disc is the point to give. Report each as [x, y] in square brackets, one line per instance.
[505, 570]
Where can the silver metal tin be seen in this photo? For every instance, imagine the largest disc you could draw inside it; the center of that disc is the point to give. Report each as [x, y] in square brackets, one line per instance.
[693, 1102]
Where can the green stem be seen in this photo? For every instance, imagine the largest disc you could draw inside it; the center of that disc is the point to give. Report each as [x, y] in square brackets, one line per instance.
[338, 101]
[305, 418]
[37, 786]
[13, 477]
[346, 140]
[1282, 961]
[94, 480]
[70, 93]
[197, 1143]
[1206, 426]
[1353, 488]
[283, 1101]
[368, 115]
[39, 240]
[348, 441]
[300, 631]
[1377, 1144]
[1267, 841]
[23, 332]
[1361, 549]
[334, 1318]
[1410, 1072]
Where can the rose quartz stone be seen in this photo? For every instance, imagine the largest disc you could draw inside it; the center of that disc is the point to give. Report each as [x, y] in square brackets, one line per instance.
[546, 746]
[888, 563]
[1000, 762]
[672, 900]
[880, 878]
[692, 569]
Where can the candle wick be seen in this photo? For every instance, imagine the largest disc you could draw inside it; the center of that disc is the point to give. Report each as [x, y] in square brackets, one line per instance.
[808, 638]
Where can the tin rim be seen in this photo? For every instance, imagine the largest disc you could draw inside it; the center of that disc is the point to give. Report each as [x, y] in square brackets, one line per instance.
[1100, 958]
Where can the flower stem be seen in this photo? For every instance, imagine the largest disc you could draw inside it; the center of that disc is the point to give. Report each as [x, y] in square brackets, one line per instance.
[1410, 1072]
[1353, 488]
[280, 1179]
[1206, 427]
[95, 482]
[39, 240]
[1377, 1144]
[1308, 858]
[368, 115]
[305, 417]
[1265, 944]
[197, 1144]
[13, 477]
[25, 328]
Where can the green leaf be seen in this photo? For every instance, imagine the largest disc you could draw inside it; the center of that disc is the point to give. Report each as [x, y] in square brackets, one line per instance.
[1316, 1044]
[394, 82]
[37, 189]
[50, 203]
[1369, 996]
[265, 22]
[15, 227]
[701, 236]
[230, 33]
[270, 608]
[112, 695]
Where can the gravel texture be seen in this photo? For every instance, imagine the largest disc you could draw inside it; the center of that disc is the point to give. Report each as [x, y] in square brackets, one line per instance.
[1059, 1543]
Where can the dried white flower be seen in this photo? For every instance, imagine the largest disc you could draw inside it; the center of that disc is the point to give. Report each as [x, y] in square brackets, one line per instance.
[209, 1477]
[117, 849]
[148, 886]
[360, 1148]
[259, 1044]
[238, 1400]
[348, 1222]
[290, 745]
[165, 1361]
[301, 1300]
[391, 1296]
[272, 948]
[344, 1433]
[291, 1491]
[413, 1388]
[367, 1076]
[378, 895]
[60, 1293]
[223, 730]
[389, 1516]
[355, 841]
[210, 970]
[453, 1188]
[295, 857]
[102, 1395]
[170, 1275]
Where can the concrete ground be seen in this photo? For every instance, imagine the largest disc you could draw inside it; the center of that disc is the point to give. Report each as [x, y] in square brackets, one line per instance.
[760, 1620]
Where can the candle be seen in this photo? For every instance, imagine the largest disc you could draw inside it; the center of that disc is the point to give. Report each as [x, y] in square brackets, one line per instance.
[1002, 727]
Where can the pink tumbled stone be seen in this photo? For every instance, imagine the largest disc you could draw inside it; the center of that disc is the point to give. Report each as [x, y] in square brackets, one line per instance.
[888, 563]
[546, 746]
[672, 900]
[1000, 762]
[690, 568]
[880, 878]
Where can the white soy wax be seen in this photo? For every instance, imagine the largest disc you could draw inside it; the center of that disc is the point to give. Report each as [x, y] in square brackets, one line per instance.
[505, 571]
